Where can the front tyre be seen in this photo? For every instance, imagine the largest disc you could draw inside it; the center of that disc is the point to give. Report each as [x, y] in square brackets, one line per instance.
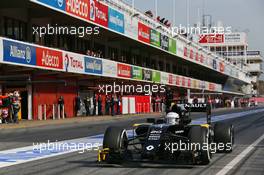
[200, 145]
[224, 137]
[116, 140]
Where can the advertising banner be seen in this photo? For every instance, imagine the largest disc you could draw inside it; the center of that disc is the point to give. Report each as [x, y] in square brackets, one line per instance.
[143, 33]
[174, 79]
[215, 64]
[189, 82]
[49, 58]
[123, 70]
[116, 20]
[18, 53]
[147, 74]
[221, 67]
[78, 8]
[164, 78]
[180, 48]
[93, 65]
[191, 54]
[211, 86]
[109, 68]
[73, 62]
[201, 58]
[178, 80]
[197, 56]
[58, 4]
[211, 38]
[206, 85]
[131, 27]
[154, 37]
[210, 61]
[202, 85]
[172, 45]
[137, 73]
[98, 12]
[156, 76]
[183, 81]
[192, 83]
[170, 79]
[164, 42]
[231, 38]
[235, 38]
[185, 52]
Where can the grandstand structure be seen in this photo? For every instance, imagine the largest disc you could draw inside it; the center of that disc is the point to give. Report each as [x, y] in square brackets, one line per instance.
[124, 45]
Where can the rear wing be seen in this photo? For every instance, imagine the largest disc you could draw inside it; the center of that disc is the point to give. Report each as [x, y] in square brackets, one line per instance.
[198, 107]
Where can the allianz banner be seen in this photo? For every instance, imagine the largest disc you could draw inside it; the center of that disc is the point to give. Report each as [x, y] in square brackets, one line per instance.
[58, 4]
[154, 37]
[172, 45]
[15, 52]
[115, 20]
[164, 42]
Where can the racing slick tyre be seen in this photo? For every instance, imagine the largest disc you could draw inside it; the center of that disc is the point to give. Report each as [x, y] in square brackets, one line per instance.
[116, 140]
[224, 137]
[200, 145]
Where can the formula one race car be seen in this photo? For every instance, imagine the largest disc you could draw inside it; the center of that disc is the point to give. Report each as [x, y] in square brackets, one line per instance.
[171, 138]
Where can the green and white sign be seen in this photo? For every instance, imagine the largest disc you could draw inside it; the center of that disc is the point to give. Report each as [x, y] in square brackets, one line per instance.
[154, 38]
[156, 76]
[137, 73]
[172, 45]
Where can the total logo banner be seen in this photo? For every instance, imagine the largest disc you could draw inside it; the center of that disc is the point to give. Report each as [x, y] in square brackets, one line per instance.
[19, 53]
[49, 58]
[73, 62]
[98, 13]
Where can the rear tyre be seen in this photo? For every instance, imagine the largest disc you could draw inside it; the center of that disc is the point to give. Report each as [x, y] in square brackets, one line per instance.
[224, 137]
[116, 140]
[199, 140]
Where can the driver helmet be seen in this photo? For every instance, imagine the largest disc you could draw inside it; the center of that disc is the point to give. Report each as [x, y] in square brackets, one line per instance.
[172, 118]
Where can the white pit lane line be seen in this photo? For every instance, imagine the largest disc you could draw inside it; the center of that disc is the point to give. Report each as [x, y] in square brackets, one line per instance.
[240, 157]
[33, 153]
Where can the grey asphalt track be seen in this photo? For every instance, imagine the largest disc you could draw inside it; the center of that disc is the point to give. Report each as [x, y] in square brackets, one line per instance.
[247, 130]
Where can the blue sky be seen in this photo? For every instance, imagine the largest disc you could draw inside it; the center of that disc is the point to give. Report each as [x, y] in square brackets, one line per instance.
[241, 15]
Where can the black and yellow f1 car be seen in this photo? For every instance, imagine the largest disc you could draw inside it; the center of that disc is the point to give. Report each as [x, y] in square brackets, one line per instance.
[171, 138]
